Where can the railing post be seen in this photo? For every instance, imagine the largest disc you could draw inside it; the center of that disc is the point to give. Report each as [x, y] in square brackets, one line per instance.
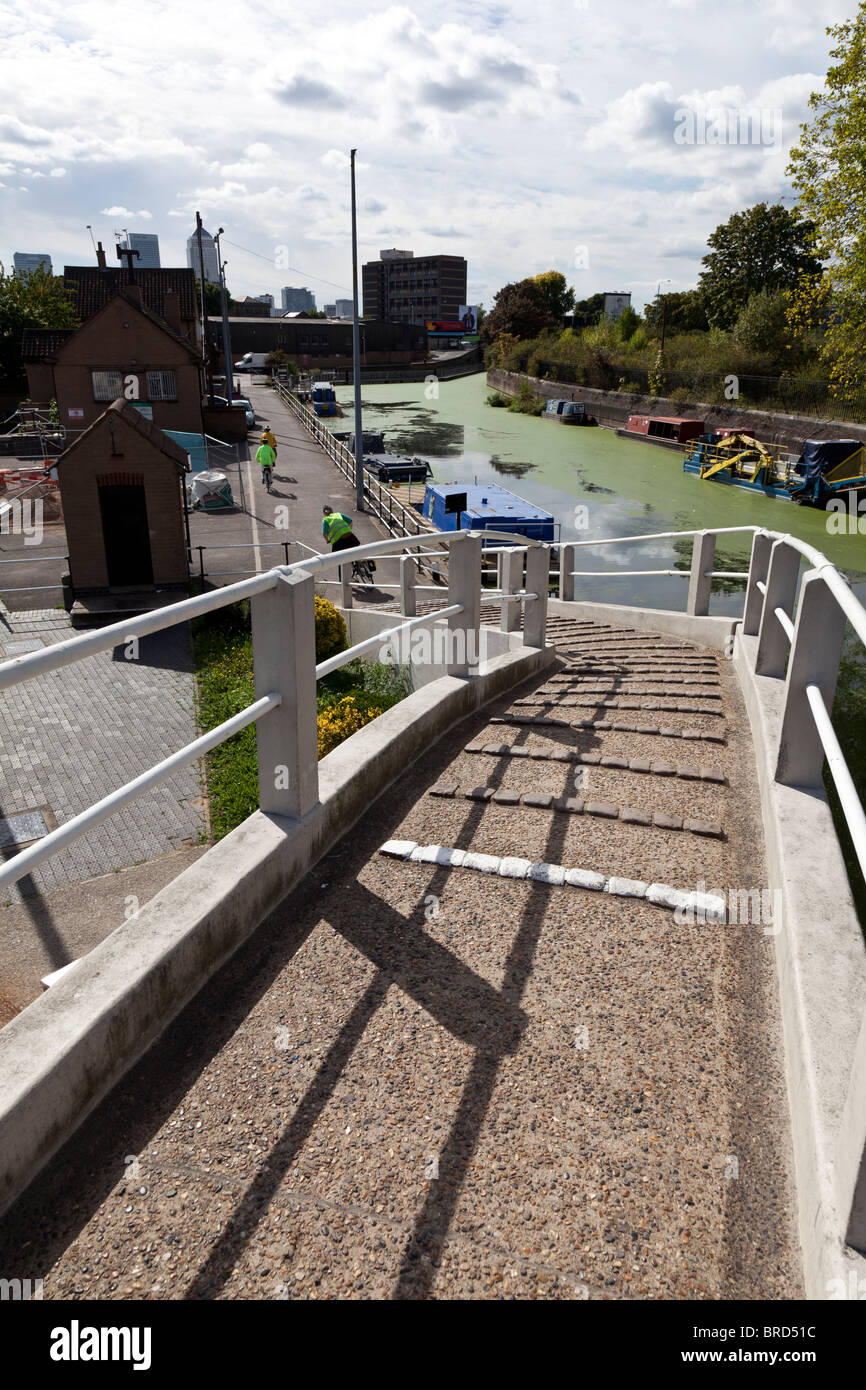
[700, 579]
[284, 660]
[819, 634]
[780, 592]
[759, 566]
[537, 581]
[510, 582]
[566, 578]
[464, 586]
[408, 580]
[345, 573]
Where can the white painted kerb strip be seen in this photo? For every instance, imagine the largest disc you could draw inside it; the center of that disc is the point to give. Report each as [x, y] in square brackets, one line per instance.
[507, 866]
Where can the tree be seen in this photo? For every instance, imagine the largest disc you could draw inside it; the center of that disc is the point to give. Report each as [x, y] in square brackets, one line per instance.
[627, 323]
[762, 325]
[35, 300]
[828, 169]
[556, 296]
[684, 313]
[593, 305]
[518, 309]
[212, 299]
[765, 247]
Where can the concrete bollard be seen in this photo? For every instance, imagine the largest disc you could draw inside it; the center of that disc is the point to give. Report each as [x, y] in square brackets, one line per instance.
[511, 582]
[408, 580]
[700, 579]
[567, 555]
[535, 610]
[759, 565]
[782, 576]
[464, 586]
[284, 660]
[816, 650]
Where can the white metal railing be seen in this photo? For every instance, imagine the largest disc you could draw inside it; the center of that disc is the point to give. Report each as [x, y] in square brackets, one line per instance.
[285, 669]
[804, 651]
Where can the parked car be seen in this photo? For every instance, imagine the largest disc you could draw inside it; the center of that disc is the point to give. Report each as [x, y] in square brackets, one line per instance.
[238, 400]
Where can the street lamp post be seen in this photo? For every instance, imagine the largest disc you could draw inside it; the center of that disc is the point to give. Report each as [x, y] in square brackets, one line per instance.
[356, 356]
[227, 350]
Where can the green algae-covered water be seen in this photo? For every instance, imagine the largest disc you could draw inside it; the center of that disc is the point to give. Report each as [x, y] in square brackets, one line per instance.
[596, 485]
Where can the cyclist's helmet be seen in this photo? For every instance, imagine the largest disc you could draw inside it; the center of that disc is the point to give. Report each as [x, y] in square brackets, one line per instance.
[326, 511]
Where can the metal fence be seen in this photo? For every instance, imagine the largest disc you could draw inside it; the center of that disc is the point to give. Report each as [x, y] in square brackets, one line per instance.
[781, 394]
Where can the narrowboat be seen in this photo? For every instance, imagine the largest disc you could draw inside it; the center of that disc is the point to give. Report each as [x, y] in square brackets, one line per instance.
[487, 507]
[739, 460]
[568, 413]
[324, 400]
[670, 431]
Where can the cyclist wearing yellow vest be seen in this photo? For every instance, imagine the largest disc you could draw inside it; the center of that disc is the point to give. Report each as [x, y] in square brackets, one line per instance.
[269, 438]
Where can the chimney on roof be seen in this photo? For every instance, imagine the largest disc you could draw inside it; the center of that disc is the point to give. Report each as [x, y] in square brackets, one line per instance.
[171, 310]
[100, 256]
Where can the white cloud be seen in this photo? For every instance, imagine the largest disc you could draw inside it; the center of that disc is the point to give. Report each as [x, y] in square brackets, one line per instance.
[142, 215]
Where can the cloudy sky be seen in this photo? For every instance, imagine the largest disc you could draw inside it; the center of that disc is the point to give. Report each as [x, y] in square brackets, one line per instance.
[590, 136]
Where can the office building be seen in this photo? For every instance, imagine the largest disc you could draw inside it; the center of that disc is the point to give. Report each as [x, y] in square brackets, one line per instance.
[331, 311]
[297, 301]
[343, 308]
[147, 246]
[24, 262]
[209, 255]
[403, 288]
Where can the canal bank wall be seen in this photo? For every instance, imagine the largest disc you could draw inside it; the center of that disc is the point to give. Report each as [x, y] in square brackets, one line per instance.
[612, 408]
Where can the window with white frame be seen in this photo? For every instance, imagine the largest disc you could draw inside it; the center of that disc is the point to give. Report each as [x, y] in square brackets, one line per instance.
[107, 386]
[161, 386]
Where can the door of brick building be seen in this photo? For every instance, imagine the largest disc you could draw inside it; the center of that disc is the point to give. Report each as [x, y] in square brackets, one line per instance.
[126, 536]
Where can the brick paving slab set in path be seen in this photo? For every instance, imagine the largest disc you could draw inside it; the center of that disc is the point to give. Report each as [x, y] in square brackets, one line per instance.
[71, 737]
[417, 1081]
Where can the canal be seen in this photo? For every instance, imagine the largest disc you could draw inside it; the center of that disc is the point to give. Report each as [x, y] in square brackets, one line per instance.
[596, 485]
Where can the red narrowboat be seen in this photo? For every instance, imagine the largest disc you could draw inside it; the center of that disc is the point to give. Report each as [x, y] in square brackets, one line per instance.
[667, 430]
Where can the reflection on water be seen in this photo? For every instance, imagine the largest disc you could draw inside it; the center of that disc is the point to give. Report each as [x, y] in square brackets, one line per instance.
[596, 485]
[508, 468]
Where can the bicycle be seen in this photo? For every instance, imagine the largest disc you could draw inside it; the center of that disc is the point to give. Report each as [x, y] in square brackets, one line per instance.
[362, 571]
[266, 475]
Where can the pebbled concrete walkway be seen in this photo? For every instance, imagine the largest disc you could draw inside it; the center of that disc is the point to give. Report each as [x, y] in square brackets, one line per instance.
[419, 1082]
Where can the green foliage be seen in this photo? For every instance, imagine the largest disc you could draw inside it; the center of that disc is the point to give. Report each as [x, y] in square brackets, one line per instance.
[638, 340]
[657, 379]
[36, 300]
[330, 629]
[762, 325]
[765, 247]
[525, 403]
[223, 651]
[212, 297]
[497, 399]
[828, 169]
[519, 310]
[556, 297]
[684, 312]
[627, 324]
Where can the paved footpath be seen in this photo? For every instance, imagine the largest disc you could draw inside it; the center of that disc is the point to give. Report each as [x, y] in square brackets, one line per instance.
[305, 480]
[72, 736]
[422, 1081]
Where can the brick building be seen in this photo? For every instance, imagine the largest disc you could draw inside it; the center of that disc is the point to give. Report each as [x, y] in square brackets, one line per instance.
[121, 486]
[123, 348]
[169, 293]
[403, 288]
